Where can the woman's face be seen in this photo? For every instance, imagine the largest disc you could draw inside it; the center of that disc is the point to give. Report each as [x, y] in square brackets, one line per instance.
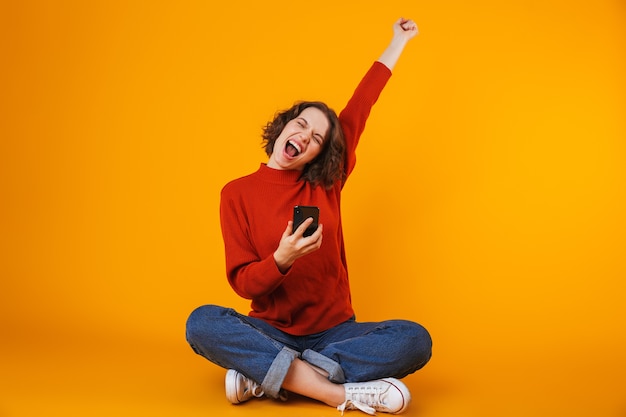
[300, 141]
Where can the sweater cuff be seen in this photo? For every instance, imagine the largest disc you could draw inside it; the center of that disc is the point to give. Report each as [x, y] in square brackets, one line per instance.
[262, 279]
[384, 69]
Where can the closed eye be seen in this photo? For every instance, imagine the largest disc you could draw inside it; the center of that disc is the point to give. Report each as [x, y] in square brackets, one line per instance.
[303, 123]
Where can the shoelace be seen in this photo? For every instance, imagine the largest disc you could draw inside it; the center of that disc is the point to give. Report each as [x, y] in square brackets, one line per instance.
[349, 404]
[256, 390]
[362, 398]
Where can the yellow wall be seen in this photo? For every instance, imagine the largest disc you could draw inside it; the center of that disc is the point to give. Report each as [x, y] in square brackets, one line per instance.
[488, 203]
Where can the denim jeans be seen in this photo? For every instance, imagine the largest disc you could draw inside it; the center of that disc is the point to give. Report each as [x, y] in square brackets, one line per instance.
[348, 352]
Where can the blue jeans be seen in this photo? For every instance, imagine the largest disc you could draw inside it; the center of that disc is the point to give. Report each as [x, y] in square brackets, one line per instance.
[348, 352]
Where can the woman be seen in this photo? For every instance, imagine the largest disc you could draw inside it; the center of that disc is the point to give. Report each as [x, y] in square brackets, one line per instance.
[301, 335]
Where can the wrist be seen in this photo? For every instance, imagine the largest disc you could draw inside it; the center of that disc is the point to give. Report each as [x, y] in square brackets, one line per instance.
[398, 42]
[283, 264]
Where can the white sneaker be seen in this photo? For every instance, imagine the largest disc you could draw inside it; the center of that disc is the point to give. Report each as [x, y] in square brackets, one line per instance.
[240, 389]
[387, 395]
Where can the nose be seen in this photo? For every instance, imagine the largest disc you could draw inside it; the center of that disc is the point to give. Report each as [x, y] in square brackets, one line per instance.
[306, 136]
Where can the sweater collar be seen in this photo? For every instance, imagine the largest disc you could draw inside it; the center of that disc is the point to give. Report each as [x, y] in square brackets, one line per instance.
[278, 176]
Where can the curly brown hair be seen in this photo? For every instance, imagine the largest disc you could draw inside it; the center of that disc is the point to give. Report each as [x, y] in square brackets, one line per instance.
[328, 167]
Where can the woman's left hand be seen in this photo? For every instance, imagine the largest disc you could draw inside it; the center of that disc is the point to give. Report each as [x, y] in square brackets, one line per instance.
[405, 28]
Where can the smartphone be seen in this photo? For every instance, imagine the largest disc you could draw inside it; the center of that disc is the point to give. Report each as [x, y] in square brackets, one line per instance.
[301, 213]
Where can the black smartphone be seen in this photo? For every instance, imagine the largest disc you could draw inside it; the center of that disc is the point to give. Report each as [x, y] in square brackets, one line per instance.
[301, 213]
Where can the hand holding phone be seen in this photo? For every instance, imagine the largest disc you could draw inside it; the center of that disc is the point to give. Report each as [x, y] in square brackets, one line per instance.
[301, 213]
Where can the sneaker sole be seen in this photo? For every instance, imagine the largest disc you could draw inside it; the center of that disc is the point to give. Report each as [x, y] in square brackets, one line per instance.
[231, 386]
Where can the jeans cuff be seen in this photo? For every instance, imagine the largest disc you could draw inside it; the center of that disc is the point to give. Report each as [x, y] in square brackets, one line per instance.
[335, 373]
[278, 370]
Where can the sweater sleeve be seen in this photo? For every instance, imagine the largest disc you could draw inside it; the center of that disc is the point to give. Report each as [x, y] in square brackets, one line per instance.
[354, 116]
[249, 274]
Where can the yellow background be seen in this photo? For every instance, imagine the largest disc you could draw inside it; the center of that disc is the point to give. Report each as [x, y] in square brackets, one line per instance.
[488, 203]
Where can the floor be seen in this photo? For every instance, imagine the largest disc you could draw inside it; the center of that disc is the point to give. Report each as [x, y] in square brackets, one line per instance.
[82, 375]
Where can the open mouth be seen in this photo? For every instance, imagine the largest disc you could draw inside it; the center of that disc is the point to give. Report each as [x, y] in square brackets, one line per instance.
[292, 149]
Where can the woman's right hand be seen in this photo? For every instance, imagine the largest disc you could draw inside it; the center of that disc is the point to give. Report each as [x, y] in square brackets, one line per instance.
[295, 245]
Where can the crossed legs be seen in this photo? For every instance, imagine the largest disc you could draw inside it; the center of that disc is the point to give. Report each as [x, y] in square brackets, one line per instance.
[314, 366]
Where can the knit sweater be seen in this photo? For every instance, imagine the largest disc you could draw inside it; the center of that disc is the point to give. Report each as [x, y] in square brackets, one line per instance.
[314, 294]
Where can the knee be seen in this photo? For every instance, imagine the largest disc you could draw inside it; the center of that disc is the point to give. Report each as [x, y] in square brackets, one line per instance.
[201, 321]
[424, 345]
[419, 342]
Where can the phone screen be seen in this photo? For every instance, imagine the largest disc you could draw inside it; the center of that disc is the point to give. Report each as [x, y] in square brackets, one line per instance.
[301, 213]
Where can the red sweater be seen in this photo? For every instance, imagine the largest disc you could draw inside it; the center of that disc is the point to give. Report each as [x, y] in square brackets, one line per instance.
[314, 295]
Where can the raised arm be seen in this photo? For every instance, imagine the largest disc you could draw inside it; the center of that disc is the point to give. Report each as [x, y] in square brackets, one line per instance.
[403, 31]
[354, 116]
